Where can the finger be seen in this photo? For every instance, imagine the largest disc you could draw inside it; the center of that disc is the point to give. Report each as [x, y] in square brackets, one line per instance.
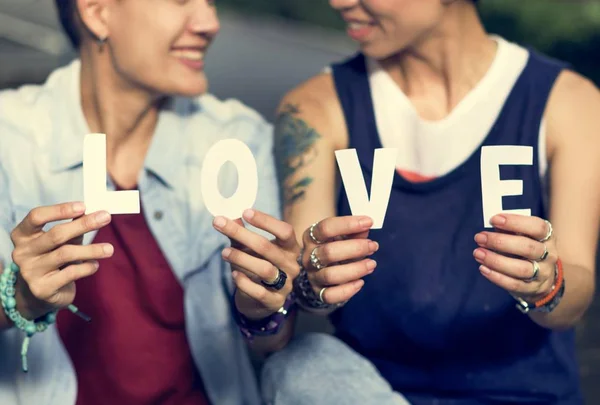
[533, 227]
[343, 274]
[341, 293]
[339, 251]
[63, 233]
[283, 231]
[521, 246]
[513, 285]
[235, 243]
[338, 226]
[257, 267]
[38, 217]
[256, 291]
[512, 267]
[68, 254]
[258, 243]
[60, 278]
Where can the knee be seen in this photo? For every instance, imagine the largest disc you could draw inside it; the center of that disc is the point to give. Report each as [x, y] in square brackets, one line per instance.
[306, 358]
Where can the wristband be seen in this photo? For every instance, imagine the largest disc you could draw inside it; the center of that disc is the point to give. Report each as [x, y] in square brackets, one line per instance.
[268, 326]
[8, 280]
[306, 297]
[550, 301]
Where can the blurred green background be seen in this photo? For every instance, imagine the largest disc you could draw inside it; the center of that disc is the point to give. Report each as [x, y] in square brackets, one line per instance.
[565, 29]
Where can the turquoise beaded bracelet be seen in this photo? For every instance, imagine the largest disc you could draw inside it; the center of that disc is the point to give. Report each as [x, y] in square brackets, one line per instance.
[8, 280]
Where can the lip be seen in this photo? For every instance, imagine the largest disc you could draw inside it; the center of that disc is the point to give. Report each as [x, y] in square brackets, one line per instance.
[194, 64]
[361, 33]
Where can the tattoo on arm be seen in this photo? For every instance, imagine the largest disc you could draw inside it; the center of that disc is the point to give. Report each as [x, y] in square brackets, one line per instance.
[294, 149]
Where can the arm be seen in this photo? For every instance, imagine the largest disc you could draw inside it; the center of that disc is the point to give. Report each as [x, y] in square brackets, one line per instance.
[574, 155]
[310, 127]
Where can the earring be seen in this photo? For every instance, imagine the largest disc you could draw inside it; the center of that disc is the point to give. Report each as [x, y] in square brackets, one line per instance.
[101, 42]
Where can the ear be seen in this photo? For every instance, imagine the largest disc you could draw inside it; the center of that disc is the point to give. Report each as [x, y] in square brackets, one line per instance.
[94, 16]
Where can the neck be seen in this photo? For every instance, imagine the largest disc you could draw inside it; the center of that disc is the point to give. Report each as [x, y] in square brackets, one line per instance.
[447, 64]
[126, 113]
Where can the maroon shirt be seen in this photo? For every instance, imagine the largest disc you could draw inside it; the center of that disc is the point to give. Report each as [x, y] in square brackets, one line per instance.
[135, 349]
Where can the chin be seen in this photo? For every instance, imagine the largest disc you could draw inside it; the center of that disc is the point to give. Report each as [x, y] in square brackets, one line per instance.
[190, 87]
[379, 51]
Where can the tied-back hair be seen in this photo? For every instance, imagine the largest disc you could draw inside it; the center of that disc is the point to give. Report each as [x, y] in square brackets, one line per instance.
[68, 19]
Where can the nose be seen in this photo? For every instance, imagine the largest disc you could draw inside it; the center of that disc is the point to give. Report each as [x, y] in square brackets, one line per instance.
[204, 20]
[341, 5]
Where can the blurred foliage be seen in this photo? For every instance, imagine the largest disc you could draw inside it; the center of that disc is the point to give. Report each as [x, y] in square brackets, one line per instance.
[564, 29]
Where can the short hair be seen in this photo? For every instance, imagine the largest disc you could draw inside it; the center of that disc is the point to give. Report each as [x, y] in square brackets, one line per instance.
[67, 14]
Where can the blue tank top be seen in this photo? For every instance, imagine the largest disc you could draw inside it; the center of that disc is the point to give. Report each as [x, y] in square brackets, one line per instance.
[436, 329]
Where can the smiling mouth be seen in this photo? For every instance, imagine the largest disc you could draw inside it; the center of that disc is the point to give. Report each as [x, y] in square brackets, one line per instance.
[357, 25]
[192, 55]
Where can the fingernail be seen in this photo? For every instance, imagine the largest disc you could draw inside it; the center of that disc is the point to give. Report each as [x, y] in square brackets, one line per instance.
[359, 284]
[485, 270]
[108, 249]
[103, 217]
[498, 220]
[371, 264]
[249, 214]
[219, 222]
[96, 264]
[479, 254]
[78, 207]
[373, 246]
[226, 252]
[481, 238]
[365, 222]
[235, 274]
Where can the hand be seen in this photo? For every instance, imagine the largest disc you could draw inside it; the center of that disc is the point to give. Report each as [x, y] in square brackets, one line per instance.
[255, 259]
[50, 262]
[341, 253]
[507, 258]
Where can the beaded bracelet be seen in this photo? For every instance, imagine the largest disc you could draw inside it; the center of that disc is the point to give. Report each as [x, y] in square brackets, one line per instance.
[8, 280]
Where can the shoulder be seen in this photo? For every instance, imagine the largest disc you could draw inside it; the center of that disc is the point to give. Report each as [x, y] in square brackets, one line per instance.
[212, 119]
[573, 111]
[29, 111]
[315, 103]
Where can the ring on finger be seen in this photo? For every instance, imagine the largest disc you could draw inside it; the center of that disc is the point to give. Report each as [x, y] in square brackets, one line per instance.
[279, 282]
[321, 294]
[544, 255]
[315, 261]
[548, 233]
[536, 271]
[311, 234]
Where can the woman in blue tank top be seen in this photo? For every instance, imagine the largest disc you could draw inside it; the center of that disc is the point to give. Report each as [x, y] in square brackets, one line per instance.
[438, 320]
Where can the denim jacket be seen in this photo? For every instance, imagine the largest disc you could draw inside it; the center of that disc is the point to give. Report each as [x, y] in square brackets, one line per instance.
[41, 151]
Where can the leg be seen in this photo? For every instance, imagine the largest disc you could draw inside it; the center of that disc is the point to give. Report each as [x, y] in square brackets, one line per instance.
[318, 369]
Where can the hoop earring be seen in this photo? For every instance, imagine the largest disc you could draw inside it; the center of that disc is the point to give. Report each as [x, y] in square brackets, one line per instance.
[101, 42]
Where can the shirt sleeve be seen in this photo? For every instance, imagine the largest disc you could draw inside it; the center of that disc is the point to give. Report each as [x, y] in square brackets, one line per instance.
[7, 218]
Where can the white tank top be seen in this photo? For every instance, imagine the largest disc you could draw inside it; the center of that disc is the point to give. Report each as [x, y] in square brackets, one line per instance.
[429, 149]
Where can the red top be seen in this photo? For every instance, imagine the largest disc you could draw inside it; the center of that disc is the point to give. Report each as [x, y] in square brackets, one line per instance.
[135, 349]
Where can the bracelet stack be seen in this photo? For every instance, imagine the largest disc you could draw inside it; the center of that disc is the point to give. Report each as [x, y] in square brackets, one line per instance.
[550, 301]
[8, 280]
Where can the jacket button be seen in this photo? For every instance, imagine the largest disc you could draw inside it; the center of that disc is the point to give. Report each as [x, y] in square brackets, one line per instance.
[158, 215]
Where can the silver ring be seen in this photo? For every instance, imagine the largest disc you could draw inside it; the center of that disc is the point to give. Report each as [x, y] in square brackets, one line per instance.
[321, 294]
[536, 270]
[544, 255]
[549, 233]
[312, 235]
[315, 261]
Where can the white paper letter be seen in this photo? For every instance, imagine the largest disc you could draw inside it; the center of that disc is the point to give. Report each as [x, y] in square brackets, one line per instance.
[96, 196]
[237, 152]
[492, 188]
[384, 167]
